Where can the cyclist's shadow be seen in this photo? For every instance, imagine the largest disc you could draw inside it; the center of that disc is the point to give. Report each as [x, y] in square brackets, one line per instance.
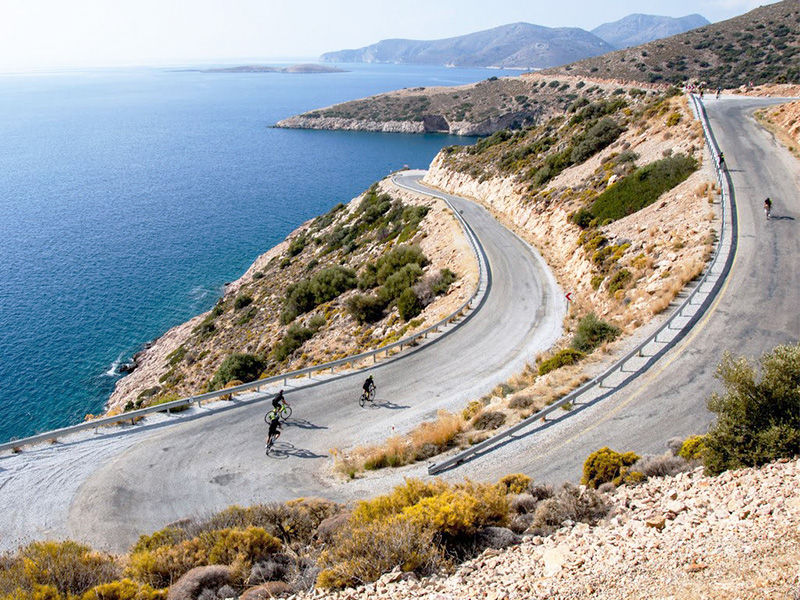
[303, 424]
[283, 450]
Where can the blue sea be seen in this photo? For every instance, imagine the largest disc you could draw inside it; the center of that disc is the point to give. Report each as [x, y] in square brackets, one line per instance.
[129, 197]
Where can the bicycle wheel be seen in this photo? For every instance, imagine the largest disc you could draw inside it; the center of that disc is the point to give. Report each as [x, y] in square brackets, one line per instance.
[286, 412]
[371, 393]
[269, 416]
[363, 400]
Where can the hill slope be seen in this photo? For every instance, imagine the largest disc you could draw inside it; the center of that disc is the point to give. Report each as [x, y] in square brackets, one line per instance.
[638, 29]
[757, 47]
[519, 45]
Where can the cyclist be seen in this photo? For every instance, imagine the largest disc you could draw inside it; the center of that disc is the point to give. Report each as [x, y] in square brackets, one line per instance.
[278, 401]
[721, 160]
[274, 431]
[768, 207]
[369, 385]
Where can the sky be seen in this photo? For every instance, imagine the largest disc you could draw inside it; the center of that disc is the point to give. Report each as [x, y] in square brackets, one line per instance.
[58, 33]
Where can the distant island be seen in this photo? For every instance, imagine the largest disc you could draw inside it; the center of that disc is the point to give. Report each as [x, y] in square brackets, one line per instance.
[306, 68]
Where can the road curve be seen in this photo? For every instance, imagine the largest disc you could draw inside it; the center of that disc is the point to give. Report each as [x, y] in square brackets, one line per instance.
[757, 309]
[209, 463]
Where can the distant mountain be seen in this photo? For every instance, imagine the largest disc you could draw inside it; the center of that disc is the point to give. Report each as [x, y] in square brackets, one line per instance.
[639, 29]
[515, 46]
[760, 46]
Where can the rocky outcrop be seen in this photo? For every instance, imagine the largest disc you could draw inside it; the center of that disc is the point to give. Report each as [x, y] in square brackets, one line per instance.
[343, 124]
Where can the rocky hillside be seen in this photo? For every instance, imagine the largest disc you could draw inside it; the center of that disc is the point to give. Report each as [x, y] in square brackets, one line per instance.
[783, 120]
[687, 536]
[625, 266]
[639, 29]
[759, 46]
[388, 263]
[480, 108]
[515, 46]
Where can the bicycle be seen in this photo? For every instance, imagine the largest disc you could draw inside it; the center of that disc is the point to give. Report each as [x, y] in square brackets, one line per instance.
[271, 441]
[367, 395]
[283, 413]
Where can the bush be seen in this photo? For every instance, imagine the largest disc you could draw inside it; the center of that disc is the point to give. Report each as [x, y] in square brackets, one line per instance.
[758, 415]
[397, 258]
[572, 503]
[324, 286]
[399, 281]
[693, 447]
[125, 589]
[659, 466]
[296, 335]
[409, 305]
[642, 187]
[365, 308]
[582, 217]
[606, 465]
[244, 367]
[515, 483]
[361, 553]
[242, 300]
[434, 285]
[568, 356]
[619, 280]
[489, 419]
[55, 569]
[519, 401]
[592, 332]
[597, 137]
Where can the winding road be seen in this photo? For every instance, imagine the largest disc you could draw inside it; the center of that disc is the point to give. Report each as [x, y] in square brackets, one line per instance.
[201, 465]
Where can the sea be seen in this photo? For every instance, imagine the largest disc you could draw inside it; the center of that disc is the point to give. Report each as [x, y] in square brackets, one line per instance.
[129, 197]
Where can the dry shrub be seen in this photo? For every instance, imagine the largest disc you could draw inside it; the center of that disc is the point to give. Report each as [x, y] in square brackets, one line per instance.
[239, 548]
[660, 466]
[523, 503]
[62, 568]
[519, 401]
[440, 432]
[490, 419]
[515, 483]
[362, 553]
[577, 504]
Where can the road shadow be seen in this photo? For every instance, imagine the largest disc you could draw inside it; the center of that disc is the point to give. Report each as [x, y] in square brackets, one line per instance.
[374, 405]
[303, 424]
[283, 450]
[775, 217]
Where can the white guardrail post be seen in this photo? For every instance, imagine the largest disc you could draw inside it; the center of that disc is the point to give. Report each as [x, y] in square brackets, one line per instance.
[484, 275]
[726, 247]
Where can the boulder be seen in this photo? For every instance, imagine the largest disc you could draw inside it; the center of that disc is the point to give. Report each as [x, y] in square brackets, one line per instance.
[271, 589]
[497, 537]
[198, 579]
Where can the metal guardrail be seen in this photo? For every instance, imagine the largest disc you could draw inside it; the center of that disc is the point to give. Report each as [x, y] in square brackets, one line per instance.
[484, 276]
[728, 206]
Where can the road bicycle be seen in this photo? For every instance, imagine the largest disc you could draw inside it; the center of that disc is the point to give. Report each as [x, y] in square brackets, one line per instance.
[367, 395]
[271, 441]
[283, 413]
[768, 211]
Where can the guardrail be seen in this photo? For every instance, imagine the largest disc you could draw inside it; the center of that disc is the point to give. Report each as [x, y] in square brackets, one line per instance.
[484, 277]
[726, 231]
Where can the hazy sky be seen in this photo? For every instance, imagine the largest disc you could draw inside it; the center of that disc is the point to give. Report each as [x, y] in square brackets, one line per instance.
[110, 32]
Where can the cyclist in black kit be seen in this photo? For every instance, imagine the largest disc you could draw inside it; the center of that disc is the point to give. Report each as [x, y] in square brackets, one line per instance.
[768, 207]
[369, 383]
[274, 432]
[278, 401]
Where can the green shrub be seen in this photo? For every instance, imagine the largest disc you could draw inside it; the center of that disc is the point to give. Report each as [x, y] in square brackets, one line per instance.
[619, 280]
[758, 415]
[324, 286]
[642, 187]
[597, 137]
[674, 119]
[592, 332]
[582, 217]
[365, 308]
[399, 281]
[296, 335]
[242, 300]
[397, 258]
[568, 356]
[297, 245]
[606, 465]
[409, 305]
[244, 367]
[693, 447]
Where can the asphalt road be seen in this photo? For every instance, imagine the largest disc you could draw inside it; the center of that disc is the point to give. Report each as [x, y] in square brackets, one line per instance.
[757, 309]
[209, 463]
